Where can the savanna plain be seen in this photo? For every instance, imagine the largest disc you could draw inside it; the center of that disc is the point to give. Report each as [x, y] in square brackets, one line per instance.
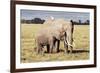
[28, 55]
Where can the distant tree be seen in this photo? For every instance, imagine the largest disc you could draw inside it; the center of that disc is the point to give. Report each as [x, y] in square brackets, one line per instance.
[80, 22]
[28, 21]
[35, 20]
[87, 21]
[38, 21]
[32, 21]
[23, 21]
[43, 21]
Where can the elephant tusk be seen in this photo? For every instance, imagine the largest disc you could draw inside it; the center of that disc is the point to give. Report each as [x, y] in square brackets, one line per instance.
[68, 43]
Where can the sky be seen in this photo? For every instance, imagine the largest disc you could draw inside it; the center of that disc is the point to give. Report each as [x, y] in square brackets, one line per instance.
[76, 16]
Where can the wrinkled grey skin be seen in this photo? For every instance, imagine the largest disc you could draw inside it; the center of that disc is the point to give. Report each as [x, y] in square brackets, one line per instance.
[43, 39]
[48, 37]
[68, 36]
[53, 34]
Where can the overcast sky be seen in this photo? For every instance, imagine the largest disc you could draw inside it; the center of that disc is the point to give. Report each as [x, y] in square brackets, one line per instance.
[31, 14]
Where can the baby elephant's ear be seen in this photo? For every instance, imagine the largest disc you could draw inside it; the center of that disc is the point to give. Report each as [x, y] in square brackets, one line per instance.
[57, 36]
[65, 27]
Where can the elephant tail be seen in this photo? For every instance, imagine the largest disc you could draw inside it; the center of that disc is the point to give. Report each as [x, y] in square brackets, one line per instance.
[72, 25]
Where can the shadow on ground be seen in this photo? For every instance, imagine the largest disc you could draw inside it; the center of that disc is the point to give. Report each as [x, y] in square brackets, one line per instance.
[74, 51]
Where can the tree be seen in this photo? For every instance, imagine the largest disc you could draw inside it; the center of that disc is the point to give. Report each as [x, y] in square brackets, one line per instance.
[87, 21]
[38, 21]
[35, 20]
[80, 22]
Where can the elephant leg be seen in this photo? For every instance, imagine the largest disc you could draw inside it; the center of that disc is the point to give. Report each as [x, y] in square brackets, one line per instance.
[54, 44]
[70, 45]
[39, 49]
[58, 44]
[71, 49]
[48, 48]
[65, 43]
[66, 46]
[51, 47]
[69, 40]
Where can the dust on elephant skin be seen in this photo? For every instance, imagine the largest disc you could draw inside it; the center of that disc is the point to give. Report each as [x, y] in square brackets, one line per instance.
[53, 34]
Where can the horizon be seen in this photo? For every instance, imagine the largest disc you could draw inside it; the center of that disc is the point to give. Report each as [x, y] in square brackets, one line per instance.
[43, 14]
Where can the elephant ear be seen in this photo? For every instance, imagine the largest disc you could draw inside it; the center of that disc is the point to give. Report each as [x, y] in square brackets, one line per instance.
[56, 35]
[64, 27]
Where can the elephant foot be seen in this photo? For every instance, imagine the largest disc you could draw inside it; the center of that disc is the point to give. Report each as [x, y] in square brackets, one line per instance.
[58, 51]
[66, 50]
[70, 51]
[47, 52]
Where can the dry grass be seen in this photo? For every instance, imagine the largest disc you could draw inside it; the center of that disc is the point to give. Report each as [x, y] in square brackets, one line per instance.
[81, 50]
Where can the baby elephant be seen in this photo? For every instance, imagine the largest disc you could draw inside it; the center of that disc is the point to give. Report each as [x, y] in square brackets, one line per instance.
[44, 38]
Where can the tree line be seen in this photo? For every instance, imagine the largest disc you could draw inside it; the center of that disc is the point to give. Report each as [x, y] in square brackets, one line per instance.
[35, 21]
[41, 21]
[87, 22]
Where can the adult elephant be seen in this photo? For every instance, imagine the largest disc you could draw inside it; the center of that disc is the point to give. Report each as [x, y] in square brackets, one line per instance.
[68, 27]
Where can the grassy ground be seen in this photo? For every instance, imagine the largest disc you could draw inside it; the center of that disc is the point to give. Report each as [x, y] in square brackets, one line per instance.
[81, 49]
